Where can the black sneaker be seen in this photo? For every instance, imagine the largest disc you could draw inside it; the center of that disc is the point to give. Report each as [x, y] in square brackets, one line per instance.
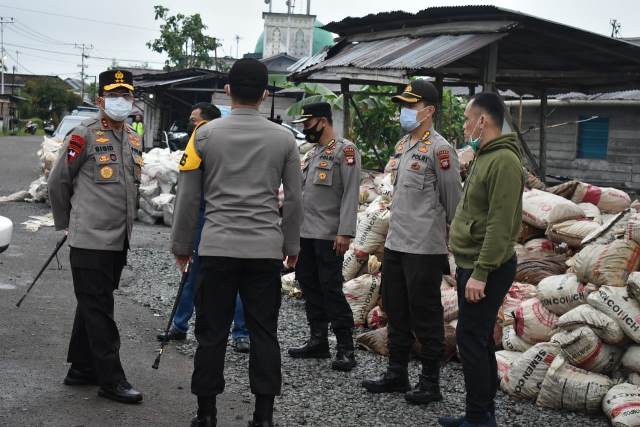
[173, 335]
[208, 421]
[242, 344]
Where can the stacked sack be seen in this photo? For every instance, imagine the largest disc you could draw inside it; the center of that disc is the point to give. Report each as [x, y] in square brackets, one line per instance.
[571, 343]
[158, 186]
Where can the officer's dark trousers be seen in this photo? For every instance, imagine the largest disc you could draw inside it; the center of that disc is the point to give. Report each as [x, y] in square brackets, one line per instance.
[411, 298]
[258, 281]
[319, 272]
[474, 335]
[95, 342]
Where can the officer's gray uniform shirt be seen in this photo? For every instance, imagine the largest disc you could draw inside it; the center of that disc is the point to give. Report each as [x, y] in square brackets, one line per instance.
[426, 194]
[93, 185]
[244, 159]
[330, 190]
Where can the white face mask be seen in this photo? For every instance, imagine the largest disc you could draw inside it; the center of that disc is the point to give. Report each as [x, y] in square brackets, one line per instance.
[118, 108]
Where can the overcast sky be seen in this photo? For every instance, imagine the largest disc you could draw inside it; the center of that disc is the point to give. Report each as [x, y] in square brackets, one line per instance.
[45, 31]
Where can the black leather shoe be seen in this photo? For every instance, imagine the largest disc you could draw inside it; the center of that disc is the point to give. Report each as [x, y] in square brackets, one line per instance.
[260, 423]
[77, 376]
[208, 421]
[317, 347]
[345, 361]
[426, 391]
[122, 392]
[394, 380]
[173, 335]
[242, 345]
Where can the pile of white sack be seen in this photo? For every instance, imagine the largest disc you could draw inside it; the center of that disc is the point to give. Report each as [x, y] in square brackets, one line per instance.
[158, 186]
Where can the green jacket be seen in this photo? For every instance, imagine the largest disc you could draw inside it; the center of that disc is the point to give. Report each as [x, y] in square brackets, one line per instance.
[488, 220]
[138, 127]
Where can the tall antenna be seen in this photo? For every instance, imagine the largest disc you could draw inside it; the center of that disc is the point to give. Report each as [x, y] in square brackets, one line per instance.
[615, 27]
[238, 46]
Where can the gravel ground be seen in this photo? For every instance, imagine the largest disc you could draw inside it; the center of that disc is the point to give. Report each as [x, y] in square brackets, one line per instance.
[313, 394]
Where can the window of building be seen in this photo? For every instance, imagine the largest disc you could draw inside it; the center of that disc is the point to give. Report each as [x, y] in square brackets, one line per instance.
[593, 138]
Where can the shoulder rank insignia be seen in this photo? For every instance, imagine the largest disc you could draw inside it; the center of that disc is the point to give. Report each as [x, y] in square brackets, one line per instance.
[76, 146]
[190, 160]
[443, 159]
[349, 155]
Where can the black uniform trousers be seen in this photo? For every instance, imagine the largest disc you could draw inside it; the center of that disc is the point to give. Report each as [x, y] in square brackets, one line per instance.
[95, 341]
[217, 285]
[474, 335]
[319, 272]
[412, 302]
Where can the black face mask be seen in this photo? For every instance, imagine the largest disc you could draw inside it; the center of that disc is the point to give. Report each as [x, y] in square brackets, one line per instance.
[313, 135]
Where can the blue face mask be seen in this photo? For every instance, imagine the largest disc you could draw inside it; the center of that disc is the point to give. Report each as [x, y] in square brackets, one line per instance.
[409, 119]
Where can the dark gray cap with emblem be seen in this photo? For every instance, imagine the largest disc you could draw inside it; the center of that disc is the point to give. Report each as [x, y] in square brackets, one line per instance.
[317, 109]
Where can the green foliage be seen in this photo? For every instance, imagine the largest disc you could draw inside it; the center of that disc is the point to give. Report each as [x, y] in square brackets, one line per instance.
[49, 98]
[315, 92]
[452, 121]
[182, 38]
[92, 91]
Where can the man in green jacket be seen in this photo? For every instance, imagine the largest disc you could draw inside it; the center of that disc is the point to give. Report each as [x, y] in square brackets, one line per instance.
[482, 238]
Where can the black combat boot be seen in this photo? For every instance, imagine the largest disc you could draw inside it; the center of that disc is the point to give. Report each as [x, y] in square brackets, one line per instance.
[428, 388]
[345, 357]
[207, 413]
[394, 380]
[263, 413]
[317, 347]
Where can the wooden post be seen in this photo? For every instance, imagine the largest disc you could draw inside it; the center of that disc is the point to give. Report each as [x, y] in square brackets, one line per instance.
[346, 95]
[439, 84]
[542, 156]
[490, 69]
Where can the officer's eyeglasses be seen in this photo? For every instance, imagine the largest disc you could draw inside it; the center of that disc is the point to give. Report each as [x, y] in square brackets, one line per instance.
[114, 95]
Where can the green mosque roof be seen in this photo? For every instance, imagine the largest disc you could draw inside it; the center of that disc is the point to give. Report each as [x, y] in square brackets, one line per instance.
[321, 38]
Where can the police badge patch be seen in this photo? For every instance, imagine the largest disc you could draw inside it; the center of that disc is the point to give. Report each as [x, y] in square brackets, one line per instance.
[443, 159]
[349, 155]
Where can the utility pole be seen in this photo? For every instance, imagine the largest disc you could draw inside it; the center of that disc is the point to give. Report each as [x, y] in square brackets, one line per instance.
[615, 28]
[3, 20]
[15, 68]
[82, 65]
[215, 53]
[237, 46]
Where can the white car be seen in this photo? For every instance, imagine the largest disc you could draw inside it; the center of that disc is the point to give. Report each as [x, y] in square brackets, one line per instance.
[6, 229]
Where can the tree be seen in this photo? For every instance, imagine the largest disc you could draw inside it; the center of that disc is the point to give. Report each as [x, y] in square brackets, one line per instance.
[182, 38]
[49, 98]
[92, 91]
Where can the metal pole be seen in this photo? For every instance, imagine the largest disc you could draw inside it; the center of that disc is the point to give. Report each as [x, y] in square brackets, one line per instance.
[542, 156]
[3, 21]
[344, 88]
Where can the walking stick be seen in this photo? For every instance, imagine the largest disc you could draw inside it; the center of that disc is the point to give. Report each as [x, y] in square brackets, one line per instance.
[185, 274]
[44, 267]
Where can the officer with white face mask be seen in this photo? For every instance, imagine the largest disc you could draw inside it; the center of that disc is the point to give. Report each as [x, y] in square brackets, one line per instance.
[427, 189]
[93, 194]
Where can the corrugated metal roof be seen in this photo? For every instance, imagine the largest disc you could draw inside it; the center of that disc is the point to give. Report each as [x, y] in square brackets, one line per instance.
[168, 82]
[403, 53]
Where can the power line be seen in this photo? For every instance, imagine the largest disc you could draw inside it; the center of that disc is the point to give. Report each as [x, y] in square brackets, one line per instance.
[41, 50]
[75, 54]
[80, 18]
[21, 66]
[41, 35]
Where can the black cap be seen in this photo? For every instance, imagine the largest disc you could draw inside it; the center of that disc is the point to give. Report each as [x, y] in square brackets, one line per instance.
[113, 79]
[317, 109]
[418, 90]
[249, 73]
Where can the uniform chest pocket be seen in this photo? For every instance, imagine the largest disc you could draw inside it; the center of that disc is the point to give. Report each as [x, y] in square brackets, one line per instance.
[415, 174]
[107, 168]
[323, 174]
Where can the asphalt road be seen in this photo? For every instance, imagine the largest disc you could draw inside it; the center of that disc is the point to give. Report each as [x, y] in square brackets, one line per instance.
[34, 337]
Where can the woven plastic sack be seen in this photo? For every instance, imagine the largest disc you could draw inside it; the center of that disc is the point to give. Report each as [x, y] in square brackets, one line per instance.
[559, 294]
[607, 265]
[633, 285]
[525, 377]
[376, 318]
[533, 322]
[572, 232]
[540, 246]
[372, 229]
[591, 212]
[584, 349]
[362, 295]
[566, 189]
[533, 269]
[375, 341]
[621, 405]
[616, 303]
[512, 342]
[518, 292]
[633, 228]
[529, 232]
[449, 299]
[505, 359]
[585, 315]
[568, 387]
[631, 359]
[608, 200]
[351, 265]
[541, 209]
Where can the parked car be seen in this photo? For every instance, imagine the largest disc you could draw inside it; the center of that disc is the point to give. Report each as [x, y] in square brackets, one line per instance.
[6, 229]
[66, 125]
